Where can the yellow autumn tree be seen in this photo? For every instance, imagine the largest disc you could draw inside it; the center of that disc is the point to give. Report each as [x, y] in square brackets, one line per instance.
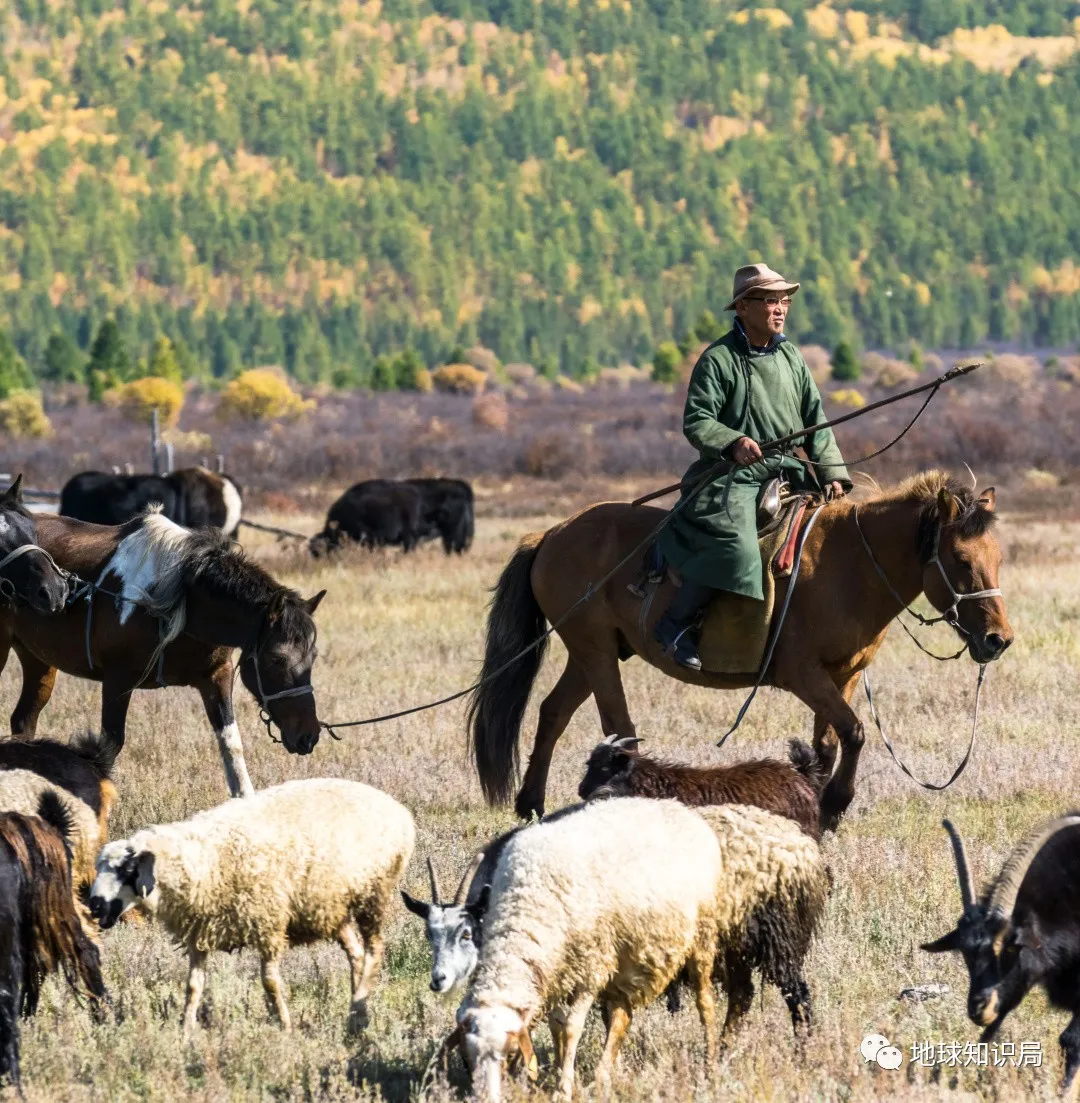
[261, 394]
[141, 397]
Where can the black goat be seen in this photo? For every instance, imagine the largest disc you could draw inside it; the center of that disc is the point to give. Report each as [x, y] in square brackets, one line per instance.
[40, 931]
[1023, 931]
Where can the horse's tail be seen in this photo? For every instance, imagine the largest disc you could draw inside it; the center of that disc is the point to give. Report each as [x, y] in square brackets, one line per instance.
[498, 703]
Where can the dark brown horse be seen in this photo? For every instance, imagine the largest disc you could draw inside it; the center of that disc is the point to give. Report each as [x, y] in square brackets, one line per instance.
[187, 601]
[28, 576]
[928, 535]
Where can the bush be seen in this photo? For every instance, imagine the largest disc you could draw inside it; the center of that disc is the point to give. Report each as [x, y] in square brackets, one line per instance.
[666, 361]
[520, 373]
[490, 411]
[818, 361]
[848, 397]
[570, 386]
[845, 364]
[22, 416]
[459, 379]
[139, 398]
[886, 372]
[261, 394]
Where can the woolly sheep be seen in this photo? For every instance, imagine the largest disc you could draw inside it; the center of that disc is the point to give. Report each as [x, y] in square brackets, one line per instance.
[774, 890]
[293, 864]
[21, 791]
[608, 903]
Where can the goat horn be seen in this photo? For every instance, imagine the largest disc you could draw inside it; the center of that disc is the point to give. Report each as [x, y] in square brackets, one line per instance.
[967, 890]
[1007, 886]
[436, 896]
[627, 742]
[466, 879]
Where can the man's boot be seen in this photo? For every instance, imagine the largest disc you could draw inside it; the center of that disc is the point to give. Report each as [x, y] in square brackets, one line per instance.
[677, 630]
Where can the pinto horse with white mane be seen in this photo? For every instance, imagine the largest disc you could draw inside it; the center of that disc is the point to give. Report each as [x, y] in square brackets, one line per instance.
[863, 562]
[169, 607]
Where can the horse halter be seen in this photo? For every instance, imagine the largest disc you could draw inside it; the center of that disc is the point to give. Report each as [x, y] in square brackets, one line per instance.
[951, 615]
[265, 698]
[7, 587]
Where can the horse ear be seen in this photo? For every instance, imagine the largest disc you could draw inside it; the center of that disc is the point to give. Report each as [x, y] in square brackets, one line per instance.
[14, 492]
[988, 499]
[312, 603]
[946, 505]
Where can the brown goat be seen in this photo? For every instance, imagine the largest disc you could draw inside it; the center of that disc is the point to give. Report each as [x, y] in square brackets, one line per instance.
[40, 931]
[792, 789]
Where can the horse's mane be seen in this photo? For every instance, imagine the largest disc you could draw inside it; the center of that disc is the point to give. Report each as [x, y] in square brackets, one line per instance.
[970, 522]
[185, 557]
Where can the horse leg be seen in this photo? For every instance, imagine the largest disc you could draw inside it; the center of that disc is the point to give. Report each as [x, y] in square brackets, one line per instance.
[556, 711]
[115, 700]
[819, 691]
[826, 740]
[37, 686]
[607, 687]
[216, 694]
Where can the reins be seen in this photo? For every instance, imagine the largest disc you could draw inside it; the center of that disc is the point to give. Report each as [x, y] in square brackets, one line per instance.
[950, 617]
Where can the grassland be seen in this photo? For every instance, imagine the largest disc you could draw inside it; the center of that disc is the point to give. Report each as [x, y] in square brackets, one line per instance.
[396, 631]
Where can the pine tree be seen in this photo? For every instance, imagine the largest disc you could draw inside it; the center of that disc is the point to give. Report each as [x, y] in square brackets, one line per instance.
[109, 355]
[64, 363]
[14, 374]
[845, 364]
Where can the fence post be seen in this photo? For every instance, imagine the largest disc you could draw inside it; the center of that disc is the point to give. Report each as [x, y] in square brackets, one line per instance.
[168, 457]
[155, 463]
[220, 464]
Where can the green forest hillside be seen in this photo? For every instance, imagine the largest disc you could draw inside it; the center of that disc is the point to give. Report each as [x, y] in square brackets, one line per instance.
[568, 182]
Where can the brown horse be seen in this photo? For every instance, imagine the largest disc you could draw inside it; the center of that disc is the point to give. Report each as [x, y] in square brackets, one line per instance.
[928, 535]
[173, 606]
[28, 575]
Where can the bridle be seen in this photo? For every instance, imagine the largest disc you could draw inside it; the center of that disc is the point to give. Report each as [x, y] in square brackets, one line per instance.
[262, 696]
[950, 616]
[7, 587]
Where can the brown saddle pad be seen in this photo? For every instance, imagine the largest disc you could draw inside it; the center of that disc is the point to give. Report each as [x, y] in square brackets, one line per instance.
[736, 628]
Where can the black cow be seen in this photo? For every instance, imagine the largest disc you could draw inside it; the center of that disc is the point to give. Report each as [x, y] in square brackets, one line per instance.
[192, 497]
[388, 513]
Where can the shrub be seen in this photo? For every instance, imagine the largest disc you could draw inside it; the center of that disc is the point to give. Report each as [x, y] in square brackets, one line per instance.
[520, 373]
[480, 357]
[459, 379]
[570, 386]
[848, 397]
[490, 411]
[845, 364]
[1008, 369]
[886, 372]
[818, 361]
[666, 361]
[139, 398]
[23, 416]
[552, 455]
[261, 394]
[422, 381]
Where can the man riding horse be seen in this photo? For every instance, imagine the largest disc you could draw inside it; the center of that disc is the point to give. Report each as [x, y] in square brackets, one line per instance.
[751, 385]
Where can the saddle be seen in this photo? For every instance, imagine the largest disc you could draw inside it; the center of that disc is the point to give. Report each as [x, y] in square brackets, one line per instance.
[735, 630]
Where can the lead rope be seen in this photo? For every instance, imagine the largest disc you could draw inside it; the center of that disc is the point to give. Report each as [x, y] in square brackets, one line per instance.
[776, 630]
[889, 747]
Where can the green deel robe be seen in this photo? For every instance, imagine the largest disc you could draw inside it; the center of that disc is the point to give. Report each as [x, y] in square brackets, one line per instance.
[718, 547]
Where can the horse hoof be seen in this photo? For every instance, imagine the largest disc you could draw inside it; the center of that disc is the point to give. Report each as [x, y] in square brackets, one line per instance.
[526, 808]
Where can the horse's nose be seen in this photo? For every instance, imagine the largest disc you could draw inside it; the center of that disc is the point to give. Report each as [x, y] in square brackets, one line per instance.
[996, 645]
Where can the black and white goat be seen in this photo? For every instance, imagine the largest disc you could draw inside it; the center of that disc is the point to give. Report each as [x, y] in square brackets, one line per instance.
[1023, 931]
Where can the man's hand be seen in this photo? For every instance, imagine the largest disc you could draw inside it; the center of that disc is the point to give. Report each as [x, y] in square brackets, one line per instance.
[836, 490]
[745, 451]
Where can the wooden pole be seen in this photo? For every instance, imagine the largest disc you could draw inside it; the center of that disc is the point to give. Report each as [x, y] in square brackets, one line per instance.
[155, 462]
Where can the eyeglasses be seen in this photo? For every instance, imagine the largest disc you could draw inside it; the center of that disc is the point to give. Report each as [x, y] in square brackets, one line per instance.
[771, 301]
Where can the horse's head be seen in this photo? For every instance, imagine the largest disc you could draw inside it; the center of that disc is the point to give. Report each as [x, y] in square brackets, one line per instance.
[27, 573]
[277, 670]
[961, 557]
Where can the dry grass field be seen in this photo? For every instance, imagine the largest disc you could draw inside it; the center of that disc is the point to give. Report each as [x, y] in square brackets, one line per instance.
[398, 630]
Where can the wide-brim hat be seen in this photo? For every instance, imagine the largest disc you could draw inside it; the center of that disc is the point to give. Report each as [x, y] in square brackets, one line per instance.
[758, 277]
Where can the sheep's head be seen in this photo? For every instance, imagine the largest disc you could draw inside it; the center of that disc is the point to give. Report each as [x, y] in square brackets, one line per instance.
[124, 877]
[490, 1037]
[454, 931]
[987, 938]
[608, 771]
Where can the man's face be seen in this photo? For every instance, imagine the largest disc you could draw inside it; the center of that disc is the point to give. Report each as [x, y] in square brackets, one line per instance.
[764, 312]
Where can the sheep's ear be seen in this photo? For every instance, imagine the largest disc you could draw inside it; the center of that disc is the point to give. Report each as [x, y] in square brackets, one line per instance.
[144, 875]
[943, 945]
[417, 907]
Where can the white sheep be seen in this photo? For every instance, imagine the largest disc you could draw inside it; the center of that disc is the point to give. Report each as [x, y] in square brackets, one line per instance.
[293, 864]
[608, 903]
[772, 897]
